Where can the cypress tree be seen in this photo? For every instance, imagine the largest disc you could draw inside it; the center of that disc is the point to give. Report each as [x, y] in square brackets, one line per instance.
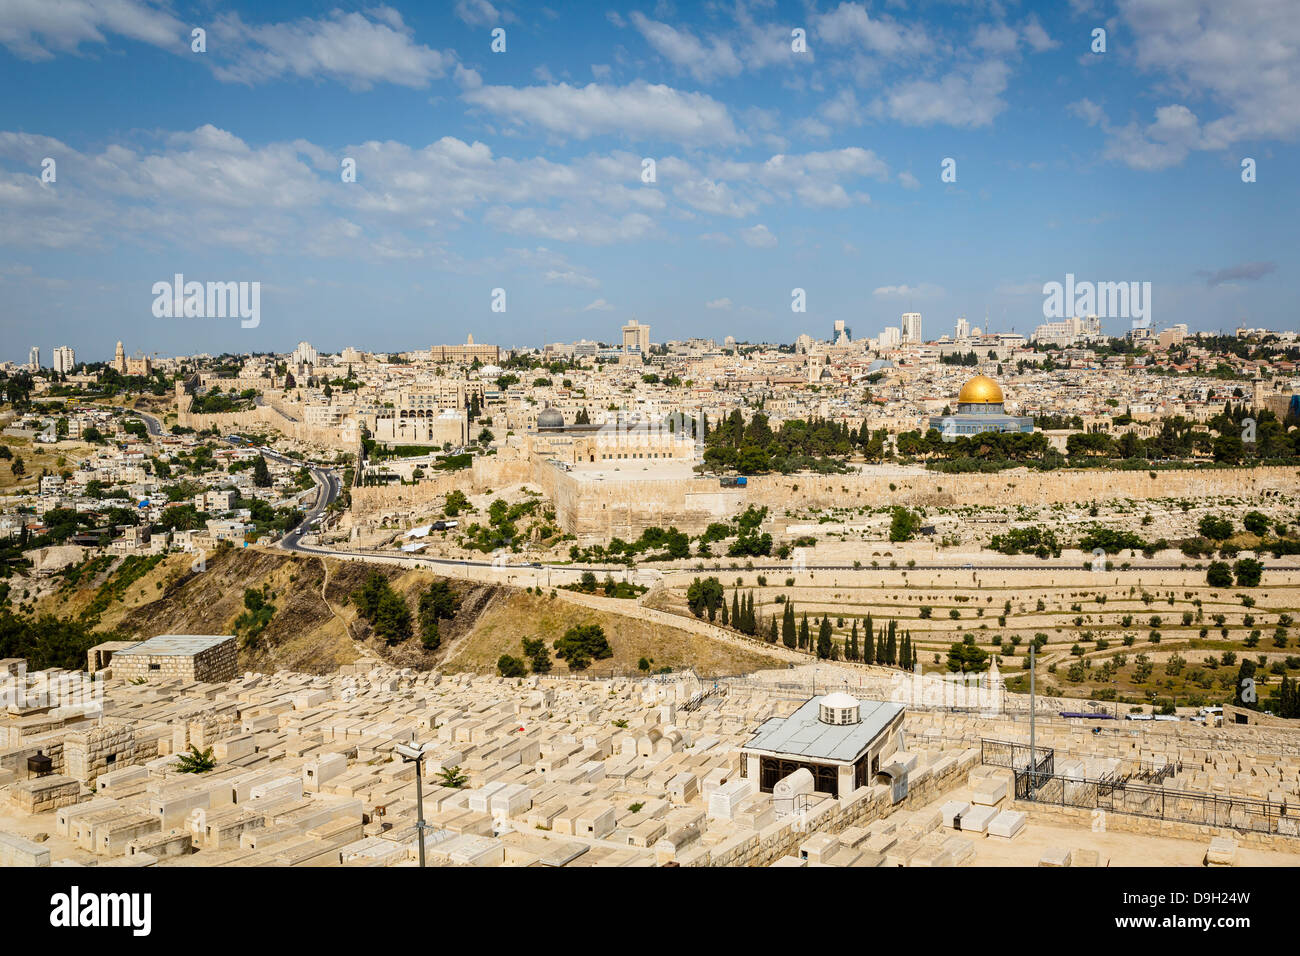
[891, 647]
[852, 652]
[735, 609]
[772, 635]
[805, 635]
[824, 642]
[787, 626]
[868, 644]
[724, 613]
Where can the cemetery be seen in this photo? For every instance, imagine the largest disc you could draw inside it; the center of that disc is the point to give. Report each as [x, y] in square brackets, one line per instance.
[290, 769]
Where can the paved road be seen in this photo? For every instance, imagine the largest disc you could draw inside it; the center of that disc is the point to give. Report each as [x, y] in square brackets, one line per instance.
[151, 424]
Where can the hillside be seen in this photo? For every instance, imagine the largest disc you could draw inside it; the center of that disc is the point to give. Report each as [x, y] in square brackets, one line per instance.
[313, 626]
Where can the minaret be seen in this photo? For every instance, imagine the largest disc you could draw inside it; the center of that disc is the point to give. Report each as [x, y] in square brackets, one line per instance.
[119, 359]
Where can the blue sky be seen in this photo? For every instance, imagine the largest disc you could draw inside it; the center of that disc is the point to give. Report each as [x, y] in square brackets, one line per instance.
[522, 170]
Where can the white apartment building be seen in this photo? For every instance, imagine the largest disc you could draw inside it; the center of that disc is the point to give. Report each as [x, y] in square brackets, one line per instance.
[65, 360]
[911, 328]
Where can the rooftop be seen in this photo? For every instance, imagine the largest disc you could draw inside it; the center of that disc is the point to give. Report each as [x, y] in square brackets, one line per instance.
[176, 645]
[803, 734]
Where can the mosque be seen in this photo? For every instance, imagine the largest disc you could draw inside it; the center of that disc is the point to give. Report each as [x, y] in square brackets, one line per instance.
[980, 409]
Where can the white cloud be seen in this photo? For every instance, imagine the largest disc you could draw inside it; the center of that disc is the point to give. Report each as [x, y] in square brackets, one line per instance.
[1036, 36]
[33, 29]
[925, 289]
[600, 305]
[994, 38]
[908, 181]
[480, 13]
[703, 61]
[759, 236]
[968, 97]
[563, 225]
[352, 48]
[1245, 56]
[722, 305]
[850, 24]
[639, 111]
[1087, 110]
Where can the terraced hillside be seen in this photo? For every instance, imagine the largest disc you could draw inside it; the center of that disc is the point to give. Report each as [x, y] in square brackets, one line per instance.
[1120, 635]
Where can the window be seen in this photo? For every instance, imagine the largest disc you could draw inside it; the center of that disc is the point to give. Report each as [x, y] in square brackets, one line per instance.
[155, 667]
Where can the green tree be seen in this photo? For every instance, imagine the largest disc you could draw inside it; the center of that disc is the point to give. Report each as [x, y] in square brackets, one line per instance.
[824, 643]
[1219, 575]
[508, 666]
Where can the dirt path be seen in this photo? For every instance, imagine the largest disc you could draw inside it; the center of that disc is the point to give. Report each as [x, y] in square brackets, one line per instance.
[347, 628]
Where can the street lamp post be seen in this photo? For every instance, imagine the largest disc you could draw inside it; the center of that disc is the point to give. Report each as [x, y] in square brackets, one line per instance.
[414, 753]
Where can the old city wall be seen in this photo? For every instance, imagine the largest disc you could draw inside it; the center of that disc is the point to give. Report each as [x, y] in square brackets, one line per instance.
[604, 508]
[262, 417]
[487, 474]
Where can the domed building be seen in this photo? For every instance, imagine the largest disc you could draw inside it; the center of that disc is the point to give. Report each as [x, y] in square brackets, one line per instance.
[550, 417]
[980, 408]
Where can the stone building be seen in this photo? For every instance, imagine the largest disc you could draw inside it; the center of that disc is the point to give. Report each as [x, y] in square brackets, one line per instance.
[186, 657]
[842, 743]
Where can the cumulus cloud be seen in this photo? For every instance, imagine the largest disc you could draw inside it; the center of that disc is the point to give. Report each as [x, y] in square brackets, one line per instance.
[638, 111]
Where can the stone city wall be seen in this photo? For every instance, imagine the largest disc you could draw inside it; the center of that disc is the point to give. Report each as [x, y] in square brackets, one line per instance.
[486, 474]
[626, 507]
[261, 417]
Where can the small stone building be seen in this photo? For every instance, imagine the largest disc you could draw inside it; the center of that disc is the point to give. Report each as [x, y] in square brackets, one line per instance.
[186, 657]
[842, 742]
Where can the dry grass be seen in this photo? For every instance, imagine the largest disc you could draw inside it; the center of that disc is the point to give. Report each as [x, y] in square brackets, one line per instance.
[499, 630]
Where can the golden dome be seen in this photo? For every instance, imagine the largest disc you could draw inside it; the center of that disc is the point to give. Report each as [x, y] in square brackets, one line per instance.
[981, 390]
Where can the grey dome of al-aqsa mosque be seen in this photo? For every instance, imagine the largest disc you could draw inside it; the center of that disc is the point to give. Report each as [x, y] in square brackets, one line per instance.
[550, 418]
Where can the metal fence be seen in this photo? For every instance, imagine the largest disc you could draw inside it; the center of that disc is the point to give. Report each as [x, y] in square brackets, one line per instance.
[1135, 794]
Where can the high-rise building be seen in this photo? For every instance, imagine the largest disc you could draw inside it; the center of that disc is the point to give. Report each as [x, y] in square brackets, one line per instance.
[304, 354]
[636, 337]
[841, 333]
[34, 358]
[890, 338]
[911, 328]
[963, 328]
[65, 360]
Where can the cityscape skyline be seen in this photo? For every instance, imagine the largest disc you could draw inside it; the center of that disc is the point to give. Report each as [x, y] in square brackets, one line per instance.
[828, 170]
